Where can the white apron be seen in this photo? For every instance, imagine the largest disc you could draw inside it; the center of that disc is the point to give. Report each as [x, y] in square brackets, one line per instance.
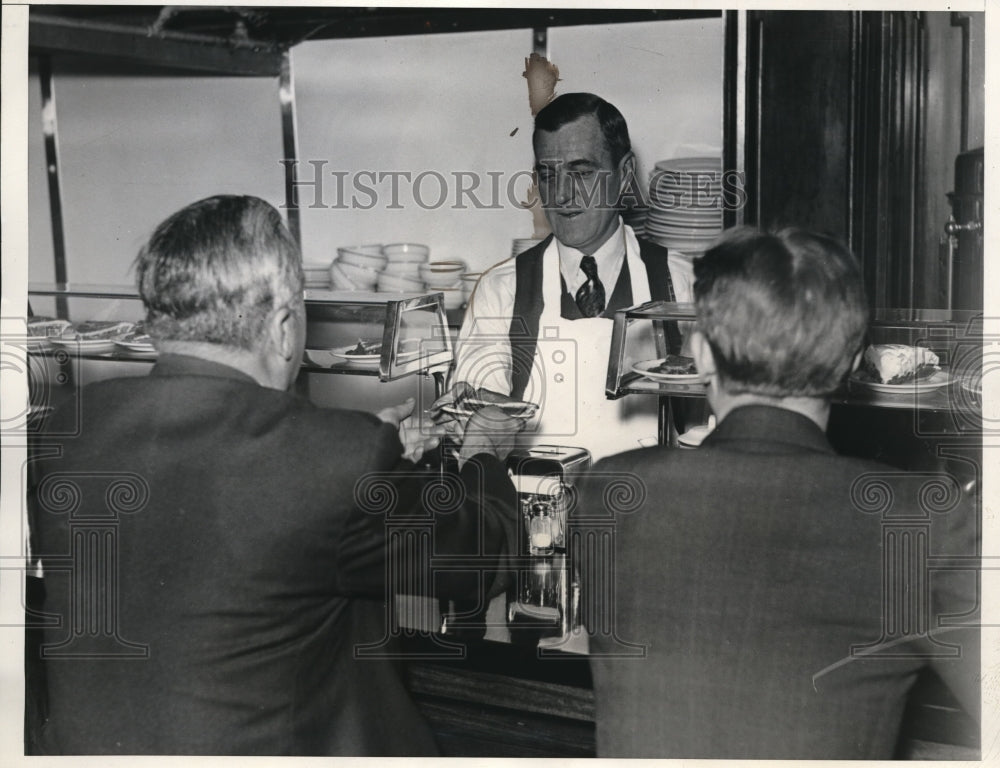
[570, 372]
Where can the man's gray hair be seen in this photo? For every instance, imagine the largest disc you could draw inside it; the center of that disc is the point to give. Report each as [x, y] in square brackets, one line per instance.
[215, 270]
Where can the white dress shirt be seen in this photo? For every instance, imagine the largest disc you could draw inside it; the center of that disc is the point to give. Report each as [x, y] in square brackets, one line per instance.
[487, 361]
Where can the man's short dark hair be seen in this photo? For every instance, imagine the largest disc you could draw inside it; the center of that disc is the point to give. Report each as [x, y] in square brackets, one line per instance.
[213, 271]
[785, 314]
[572, 106]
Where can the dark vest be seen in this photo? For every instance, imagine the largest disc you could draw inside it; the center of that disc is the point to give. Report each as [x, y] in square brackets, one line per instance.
[528, 304]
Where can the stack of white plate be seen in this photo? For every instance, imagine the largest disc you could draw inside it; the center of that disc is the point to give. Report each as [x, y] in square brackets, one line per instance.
[317, 274]
[521, 244]
[685, 203]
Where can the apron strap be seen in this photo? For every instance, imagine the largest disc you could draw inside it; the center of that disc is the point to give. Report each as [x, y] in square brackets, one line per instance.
[661, 286]
[525, 318]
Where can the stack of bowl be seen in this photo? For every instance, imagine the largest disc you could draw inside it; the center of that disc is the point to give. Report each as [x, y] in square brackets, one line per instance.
[357, 267]
[445, 277]
[401, 273]
[317, 274]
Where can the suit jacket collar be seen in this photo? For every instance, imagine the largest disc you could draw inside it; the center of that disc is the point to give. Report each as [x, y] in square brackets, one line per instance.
[766, 427]
[188, 365]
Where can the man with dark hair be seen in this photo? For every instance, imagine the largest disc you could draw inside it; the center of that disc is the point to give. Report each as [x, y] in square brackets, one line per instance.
[559, 298]
[216, 549]
[761, 607]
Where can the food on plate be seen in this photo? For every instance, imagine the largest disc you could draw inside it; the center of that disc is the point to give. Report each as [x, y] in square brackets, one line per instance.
[898, 363]
[137, 336]
[370, 347]
[91, 330]
[46, 326]
[676, 365]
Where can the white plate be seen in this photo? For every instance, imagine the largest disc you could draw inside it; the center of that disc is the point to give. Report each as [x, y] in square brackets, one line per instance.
[516, 408]
[934, 381]
[92, 346]
[644, 367]
[137, 347]
[327, 357]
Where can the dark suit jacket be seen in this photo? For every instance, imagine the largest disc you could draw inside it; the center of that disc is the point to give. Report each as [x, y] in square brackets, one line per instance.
[224, 573]
[750, 572]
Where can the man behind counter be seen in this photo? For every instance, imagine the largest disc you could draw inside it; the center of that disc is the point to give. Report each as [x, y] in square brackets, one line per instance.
[243, 570]
[760, 572]
[538, 326]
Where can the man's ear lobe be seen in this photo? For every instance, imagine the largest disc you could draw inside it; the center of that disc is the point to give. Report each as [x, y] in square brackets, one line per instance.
[281, 332]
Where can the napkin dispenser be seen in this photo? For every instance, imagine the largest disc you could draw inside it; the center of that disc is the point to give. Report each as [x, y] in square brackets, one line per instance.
[545, 592]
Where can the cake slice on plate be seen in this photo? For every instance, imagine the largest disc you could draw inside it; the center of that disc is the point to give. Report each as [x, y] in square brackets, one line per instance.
[898, 363]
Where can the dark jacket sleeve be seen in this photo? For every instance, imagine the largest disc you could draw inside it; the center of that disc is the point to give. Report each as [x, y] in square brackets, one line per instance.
[427, 532]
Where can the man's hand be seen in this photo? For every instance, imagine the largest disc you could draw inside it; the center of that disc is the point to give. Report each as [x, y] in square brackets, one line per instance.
[417, 437]
[490, 430]
[459, 397]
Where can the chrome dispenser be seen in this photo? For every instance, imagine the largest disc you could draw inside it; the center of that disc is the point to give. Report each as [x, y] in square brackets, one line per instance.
[545, 594]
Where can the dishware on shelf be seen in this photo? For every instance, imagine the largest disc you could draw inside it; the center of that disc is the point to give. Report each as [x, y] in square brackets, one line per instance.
[393, 283]
[362, 277]
[936, 380]
[406, 252]
[409, 269]
[340, 279]
[316, 274]
[441, 274]
[364, 259]
[685, 203]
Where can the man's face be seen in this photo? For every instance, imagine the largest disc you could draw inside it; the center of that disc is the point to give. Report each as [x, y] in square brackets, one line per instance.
[578, 183]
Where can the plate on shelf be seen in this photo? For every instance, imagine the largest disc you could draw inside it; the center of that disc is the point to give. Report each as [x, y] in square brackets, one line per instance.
[645, 367]
[328, 357]
[90, 346]
[936, 380]
[136, 347]
[514, 408]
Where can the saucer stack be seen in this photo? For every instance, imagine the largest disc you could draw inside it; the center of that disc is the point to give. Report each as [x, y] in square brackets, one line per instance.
[317, 274]
[685, 203]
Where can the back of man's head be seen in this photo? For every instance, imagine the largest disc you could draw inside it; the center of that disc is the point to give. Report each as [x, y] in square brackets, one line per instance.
[785, 314]
[572, 106]
[213, 272]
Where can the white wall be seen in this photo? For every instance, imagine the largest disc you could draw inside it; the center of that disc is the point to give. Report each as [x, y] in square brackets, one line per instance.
[450, 103]
[133, 150]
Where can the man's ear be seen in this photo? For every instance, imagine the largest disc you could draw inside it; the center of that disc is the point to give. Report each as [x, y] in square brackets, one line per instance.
[701, 351]
[282, 332]
[626, 167]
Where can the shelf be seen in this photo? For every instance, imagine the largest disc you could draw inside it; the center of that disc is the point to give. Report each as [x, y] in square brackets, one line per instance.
[334, 319]
[950, 398]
